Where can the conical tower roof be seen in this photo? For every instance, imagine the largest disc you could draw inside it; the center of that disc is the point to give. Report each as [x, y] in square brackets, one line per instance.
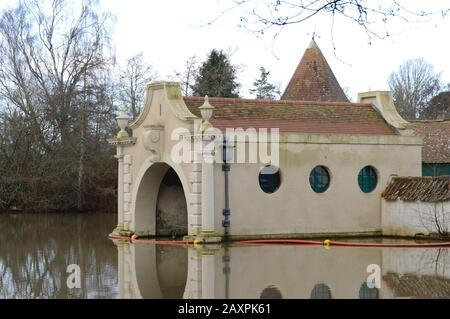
[313, 80]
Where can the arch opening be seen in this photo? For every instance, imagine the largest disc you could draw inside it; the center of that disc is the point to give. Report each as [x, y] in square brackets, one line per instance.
[160, 204]
[171, 208]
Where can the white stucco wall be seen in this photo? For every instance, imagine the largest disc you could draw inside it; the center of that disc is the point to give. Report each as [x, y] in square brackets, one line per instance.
[401, 218]
[295, 208]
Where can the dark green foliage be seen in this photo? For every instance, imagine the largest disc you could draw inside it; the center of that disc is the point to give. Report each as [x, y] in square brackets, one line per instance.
[217, 77]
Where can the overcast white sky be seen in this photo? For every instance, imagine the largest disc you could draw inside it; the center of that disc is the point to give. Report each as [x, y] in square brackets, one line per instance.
[168, 32]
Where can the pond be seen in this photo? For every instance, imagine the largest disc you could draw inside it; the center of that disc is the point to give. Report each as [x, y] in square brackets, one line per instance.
[70, 256]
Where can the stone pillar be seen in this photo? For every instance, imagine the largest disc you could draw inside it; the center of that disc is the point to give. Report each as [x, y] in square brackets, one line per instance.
[195, 178]
[123, 183]
[127, 188]
[119, 156]
[207, 196]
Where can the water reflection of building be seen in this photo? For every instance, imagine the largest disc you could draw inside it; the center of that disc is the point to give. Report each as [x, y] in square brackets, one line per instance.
[147, 271]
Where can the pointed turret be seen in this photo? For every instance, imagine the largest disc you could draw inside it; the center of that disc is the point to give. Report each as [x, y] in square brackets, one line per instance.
[313, 80]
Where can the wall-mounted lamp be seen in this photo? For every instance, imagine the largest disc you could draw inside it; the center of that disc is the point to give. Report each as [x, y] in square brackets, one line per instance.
[228, 151]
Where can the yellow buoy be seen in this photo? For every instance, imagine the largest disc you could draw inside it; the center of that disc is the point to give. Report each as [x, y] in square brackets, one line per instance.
[327, 243]
[197, 242]
[134, 237]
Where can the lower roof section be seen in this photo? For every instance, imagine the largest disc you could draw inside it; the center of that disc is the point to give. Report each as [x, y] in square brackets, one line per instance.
[425, 189]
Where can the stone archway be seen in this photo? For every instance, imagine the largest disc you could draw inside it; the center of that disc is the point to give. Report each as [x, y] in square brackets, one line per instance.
[160, 205]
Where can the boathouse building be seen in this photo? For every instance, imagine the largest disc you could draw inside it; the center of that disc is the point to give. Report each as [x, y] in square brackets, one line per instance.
[327, 163]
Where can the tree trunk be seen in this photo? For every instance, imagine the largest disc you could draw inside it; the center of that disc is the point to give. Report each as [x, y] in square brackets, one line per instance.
[81, 173]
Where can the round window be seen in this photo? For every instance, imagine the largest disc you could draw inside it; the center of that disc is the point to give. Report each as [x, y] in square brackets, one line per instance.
[319, 179]
[269, 179]
[367, 179]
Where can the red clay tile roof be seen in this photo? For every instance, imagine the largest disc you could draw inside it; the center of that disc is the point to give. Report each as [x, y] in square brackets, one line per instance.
[313, 80]
[425, 189]
[294, 116]
[436, 140]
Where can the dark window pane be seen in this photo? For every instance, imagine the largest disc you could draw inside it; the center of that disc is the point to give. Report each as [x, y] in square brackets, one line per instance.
[269, 179]
[319, 179]
[367, 179]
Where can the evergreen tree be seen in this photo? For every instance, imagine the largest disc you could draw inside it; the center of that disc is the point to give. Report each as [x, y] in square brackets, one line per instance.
[262, 88]
[216, 77]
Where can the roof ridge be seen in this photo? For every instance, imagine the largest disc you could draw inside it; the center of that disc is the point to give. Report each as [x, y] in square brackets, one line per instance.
[285, 102]
[430, 121]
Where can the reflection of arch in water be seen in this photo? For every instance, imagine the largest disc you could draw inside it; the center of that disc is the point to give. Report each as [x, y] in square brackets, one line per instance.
[152, 272]
[321, 291]
[271, 292]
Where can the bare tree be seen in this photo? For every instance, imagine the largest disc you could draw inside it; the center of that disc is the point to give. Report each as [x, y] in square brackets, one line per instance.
[437, 108]
[187, 77]
[413, 85]
[133, 80]
[373, 17]
[53, 54]
[435, 219]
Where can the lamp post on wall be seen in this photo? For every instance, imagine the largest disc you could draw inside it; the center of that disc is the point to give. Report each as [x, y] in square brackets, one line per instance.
[228, 156]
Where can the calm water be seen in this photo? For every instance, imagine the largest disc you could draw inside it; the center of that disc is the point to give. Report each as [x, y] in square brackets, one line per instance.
[35, 251]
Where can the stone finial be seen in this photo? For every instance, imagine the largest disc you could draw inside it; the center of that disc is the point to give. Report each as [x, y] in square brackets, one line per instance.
[122, 121]
[206, 111]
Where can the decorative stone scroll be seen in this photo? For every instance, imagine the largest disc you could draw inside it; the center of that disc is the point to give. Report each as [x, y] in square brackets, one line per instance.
[154, 142]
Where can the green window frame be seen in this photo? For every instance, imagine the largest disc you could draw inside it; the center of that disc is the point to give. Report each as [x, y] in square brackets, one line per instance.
[367, 179]
[319, 179]
[435, 169]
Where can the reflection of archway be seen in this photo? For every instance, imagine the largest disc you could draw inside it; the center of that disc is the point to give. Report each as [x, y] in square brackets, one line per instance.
[321, 291]
[172, 269]
[368, 293]
[160, 271]
[271, 292]
[156, 187]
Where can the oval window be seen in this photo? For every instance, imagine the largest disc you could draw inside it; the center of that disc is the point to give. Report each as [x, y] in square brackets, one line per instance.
[269, 179]
[319, 179]
[367, 179]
